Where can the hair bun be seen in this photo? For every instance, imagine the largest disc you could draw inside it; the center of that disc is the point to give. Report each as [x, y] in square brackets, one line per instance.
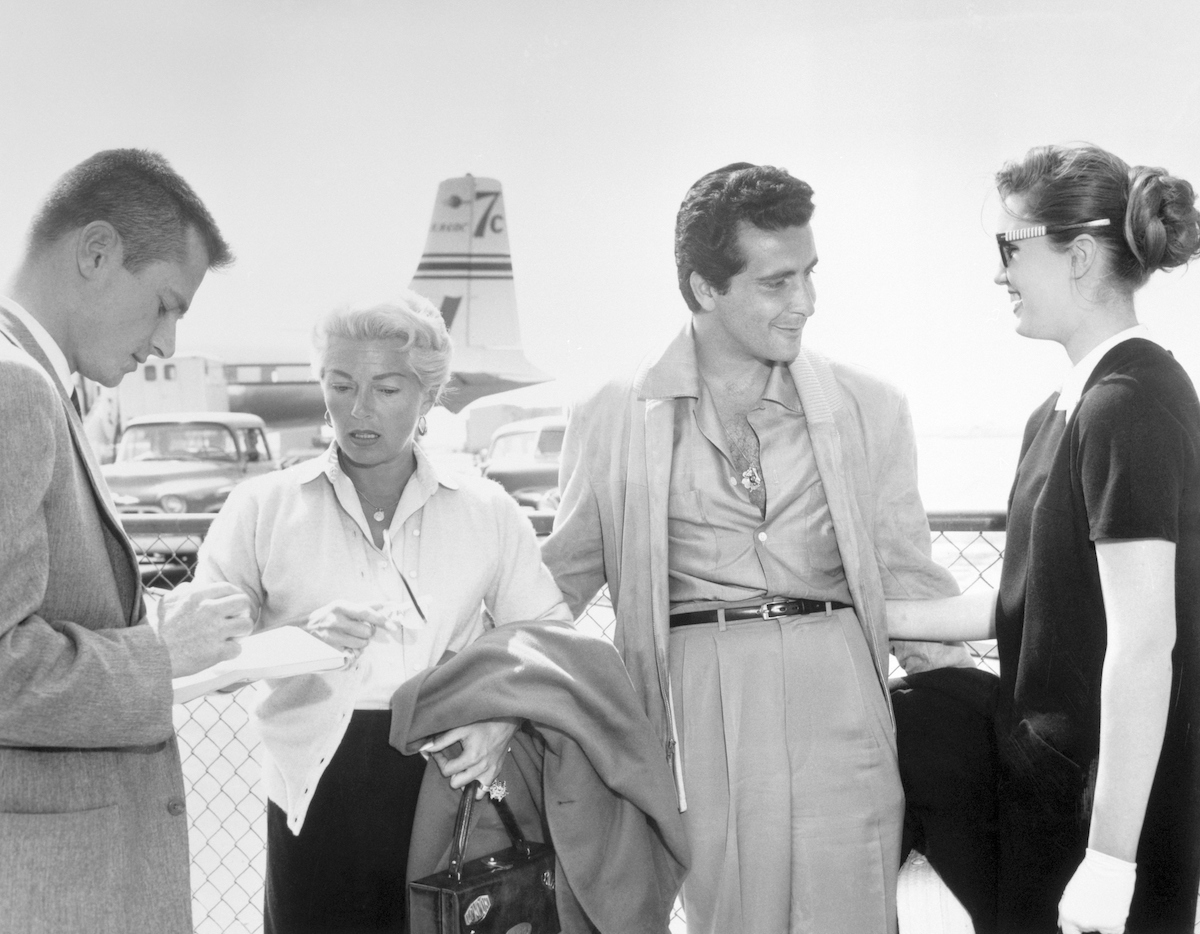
[1162, 225]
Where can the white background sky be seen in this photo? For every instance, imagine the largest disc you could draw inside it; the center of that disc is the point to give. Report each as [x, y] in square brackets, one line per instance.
[317, 133]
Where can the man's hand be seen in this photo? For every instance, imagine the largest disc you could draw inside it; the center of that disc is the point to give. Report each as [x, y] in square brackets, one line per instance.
[198, 623]
[484, 745]
[349, 626]
[1098, 895]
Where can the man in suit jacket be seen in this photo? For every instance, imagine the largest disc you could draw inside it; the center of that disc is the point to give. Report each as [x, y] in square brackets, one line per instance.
[93, 831]
[751, 505]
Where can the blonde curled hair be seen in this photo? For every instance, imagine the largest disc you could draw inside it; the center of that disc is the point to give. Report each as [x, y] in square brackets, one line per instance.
[411, 319]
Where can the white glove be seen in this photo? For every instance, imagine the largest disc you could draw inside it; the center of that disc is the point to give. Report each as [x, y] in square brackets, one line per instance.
[1098, 895]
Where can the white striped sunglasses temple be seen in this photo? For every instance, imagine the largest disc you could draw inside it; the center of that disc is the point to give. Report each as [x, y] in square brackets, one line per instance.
[1028, 233]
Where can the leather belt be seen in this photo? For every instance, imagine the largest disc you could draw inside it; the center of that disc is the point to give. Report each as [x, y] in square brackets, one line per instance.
[799, 606]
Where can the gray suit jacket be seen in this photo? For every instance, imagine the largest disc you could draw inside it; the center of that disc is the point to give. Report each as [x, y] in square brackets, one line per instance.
[93, 835]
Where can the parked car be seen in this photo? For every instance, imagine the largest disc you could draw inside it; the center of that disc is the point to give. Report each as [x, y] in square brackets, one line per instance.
[185, 462]
[523, 458]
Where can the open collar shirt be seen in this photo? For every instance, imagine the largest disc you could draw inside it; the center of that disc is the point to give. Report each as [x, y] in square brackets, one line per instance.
[722, 550]
[297, 539]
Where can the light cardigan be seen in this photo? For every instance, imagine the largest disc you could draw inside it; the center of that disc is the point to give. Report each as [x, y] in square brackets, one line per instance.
[611, 526]
[295, 540]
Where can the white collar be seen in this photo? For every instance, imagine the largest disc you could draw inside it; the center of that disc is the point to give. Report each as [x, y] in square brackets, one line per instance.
[327, 465]
[1072, 387]
[50, 348]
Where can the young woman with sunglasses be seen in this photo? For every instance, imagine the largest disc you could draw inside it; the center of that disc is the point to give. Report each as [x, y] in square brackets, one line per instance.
[1098, 611]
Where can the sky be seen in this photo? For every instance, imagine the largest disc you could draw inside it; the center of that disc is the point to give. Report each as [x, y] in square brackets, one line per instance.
[317, 133]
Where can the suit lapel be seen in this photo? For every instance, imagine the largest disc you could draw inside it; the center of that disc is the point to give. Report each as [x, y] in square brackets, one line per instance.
[820, 397]
[660, 382]
[659, 443]
[16, 332]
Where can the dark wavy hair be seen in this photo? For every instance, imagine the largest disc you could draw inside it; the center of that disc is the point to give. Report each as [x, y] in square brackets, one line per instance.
[706, 228]
[149, 205]
[1153, 219]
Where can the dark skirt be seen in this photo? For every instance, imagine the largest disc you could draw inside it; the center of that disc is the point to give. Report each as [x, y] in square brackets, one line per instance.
[345, 872]
[1045, 813]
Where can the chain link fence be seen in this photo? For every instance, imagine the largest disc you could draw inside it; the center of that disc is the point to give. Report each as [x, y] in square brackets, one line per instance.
[226, 806]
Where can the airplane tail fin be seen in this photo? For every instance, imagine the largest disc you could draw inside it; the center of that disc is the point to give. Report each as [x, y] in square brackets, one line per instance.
[466, 271]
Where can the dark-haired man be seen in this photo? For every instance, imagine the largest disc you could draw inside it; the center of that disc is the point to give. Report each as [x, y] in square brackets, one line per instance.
[93, 831]
[750, 505]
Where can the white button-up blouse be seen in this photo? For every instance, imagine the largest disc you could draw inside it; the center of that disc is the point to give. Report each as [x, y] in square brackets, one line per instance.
[297, 539]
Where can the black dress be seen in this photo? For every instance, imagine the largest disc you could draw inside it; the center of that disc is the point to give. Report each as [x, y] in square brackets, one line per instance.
[1124, 465]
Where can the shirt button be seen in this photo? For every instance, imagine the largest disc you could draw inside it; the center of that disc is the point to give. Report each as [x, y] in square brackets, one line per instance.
[733, 481]
[417, 533]
[383, 565]
[412, 573]
[762, 536]
[175, 807]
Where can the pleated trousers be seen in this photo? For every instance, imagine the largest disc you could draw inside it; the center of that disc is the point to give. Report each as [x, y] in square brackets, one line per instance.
[795, 808]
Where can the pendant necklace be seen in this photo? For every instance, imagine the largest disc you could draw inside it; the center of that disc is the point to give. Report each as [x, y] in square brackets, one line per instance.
[377, 515]
[751, 478]
[743, 453]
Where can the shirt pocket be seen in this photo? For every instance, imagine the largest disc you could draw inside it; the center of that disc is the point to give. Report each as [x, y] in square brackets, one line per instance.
[805, 532]
[689, 528]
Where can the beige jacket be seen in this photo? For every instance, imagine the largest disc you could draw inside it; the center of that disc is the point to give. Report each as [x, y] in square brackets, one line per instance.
[612, 524]
[93, 834]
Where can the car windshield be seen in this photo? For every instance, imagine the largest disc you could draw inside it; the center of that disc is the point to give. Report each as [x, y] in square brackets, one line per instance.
[550, 440]
[514, 446]
[528, 445]
[182, 441]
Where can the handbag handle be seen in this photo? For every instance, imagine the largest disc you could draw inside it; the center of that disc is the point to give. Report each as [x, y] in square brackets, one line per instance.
[462, 827]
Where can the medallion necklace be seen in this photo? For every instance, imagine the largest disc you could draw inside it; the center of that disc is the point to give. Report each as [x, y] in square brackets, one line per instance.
[379, 512]
[742, 440]
[743, 445]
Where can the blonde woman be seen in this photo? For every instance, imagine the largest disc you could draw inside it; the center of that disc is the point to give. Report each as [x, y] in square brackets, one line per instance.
[382, 555]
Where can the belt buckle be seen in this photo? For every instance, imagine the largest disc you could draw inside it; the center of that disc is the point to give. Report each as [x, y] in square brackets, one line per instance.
[768, 610]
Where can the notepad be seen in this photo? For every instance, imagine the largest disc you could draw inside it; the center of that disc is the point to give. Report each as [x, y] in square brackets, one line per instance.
[275, 653]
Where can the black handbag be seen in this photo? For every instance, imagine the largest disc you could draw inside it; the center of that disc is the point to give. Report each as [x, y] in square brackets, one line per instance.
[507, 892]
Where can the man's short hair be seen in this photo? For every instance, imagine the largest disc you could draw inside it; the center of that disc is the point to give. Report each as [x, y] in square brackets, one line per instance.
[706, 228]
[147, 202]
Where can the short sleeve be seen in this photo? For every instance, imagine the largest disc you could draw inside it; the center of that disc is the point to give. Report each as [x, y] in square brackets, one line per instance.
[1131, 461]
[523, 588]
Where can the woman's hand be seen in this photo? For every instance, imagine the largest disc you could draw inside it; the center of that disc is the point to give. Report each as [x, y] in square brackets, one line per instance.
[348, 626]
[1097, 897]
[484, 745]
